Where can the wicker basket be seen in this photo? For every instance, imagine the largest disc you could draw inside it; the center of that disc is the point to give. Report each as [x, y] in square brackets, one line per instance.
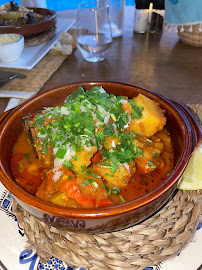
[191, 35]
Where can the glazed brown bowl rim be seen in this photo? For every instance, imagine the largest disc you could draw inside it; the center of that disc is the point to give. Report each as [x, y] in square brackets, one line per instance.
[52, 209]
[4, 29]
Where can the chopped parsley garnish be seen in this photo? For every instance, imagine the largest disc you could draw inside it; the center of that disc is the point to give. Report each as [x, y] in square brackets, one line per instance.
[122, 200]
[20, 167]
[61, 152]
[45, 147]
[83, 167]
[115, 190]
[26, 155]
[110, 175]
[84, 120]
[39, 120]
[88, 173]
[136, 110]
[88, 181]
[150, 163]
[68, 164]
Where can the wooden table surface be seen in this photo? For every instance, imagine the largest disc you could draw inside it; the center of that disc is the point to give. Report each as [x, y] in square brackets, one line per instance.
[160, 63]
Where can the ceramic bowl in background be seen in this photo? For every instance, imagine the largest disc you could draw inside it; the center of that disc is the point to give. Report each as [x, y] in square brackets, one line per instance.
[11, 47]
[186, 136]
[30, 30]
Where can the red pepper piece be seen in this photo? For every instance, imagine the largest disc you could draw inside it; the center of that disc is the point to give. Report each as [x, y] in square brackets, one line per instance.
[104, 202]
[73, 192]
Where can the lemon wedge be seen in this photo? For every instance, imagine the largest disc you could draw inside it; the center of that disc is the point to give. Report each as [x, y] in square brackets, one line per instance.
[192, 177]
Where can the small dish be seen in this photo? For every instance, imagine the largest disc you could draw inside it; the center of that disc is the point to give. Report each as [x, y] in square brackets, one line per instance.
[11, 47]
[32, 55]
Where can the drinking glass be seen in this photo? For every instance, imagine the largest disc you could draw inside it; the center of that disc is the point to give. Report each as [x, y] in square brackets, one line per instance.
[116, 13]
[94, 36]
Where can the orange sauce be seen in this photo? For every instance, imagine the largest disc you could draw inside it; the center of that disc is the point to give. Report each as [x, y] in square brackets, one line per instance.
[29, 172]
[143, 183]
[26, 167]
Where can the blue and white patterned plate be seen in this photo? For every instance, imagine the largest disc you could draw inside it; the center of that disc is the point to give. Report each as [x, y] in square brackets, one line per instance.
[14, 256]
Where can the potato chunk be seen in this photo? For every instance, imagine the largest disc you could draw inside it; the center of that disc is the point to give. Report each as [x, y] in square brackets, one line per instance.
[120, 177]
[152, 149]
[94, 188]
[83, 158]
[152, 120]
[111, 142]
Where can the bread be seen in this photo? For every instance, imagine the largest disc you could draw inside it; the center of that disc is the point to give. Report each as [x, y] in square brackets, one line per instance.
[64, 45]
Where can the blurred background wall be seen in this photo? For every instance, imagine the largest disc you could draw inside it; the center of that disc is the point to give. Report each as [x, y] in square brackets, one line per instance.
[64, 4]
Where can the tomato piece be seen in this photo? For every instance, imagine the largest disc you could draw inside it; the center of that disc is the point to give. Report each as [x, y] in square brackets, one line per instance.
[96, 158]
[73, 192]
[104, 202]
[29, 181]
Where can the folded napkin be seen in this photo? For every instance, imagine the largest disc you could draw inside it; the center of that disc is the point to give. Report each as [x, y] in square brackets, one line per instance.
[183, 12]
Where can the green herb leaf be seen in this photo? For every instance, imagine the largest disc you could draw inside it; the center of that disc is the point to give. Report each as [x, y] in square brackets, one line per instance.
[89, 181]
[88, 173]
[45, 147]
[26, 155]
[122, 200]
[68, 164]
[115, 190]
[83, 167]
[61, 152]
[150, 163]
[136, 110]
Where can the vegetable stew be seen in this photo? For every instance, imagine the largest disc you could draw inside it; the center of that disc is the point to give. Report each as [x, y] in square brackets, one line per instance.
[95, 150]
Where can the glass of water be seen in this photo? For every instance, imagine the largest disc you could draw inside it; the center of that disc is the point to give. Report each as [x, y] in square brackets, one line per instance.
[94, 36]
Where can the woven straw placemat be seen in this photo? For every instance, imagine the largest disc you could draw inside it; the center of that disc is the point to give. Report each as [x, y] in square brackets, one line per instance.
[42, 71]
[159, 238]
[35, 77]
[40, 38]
